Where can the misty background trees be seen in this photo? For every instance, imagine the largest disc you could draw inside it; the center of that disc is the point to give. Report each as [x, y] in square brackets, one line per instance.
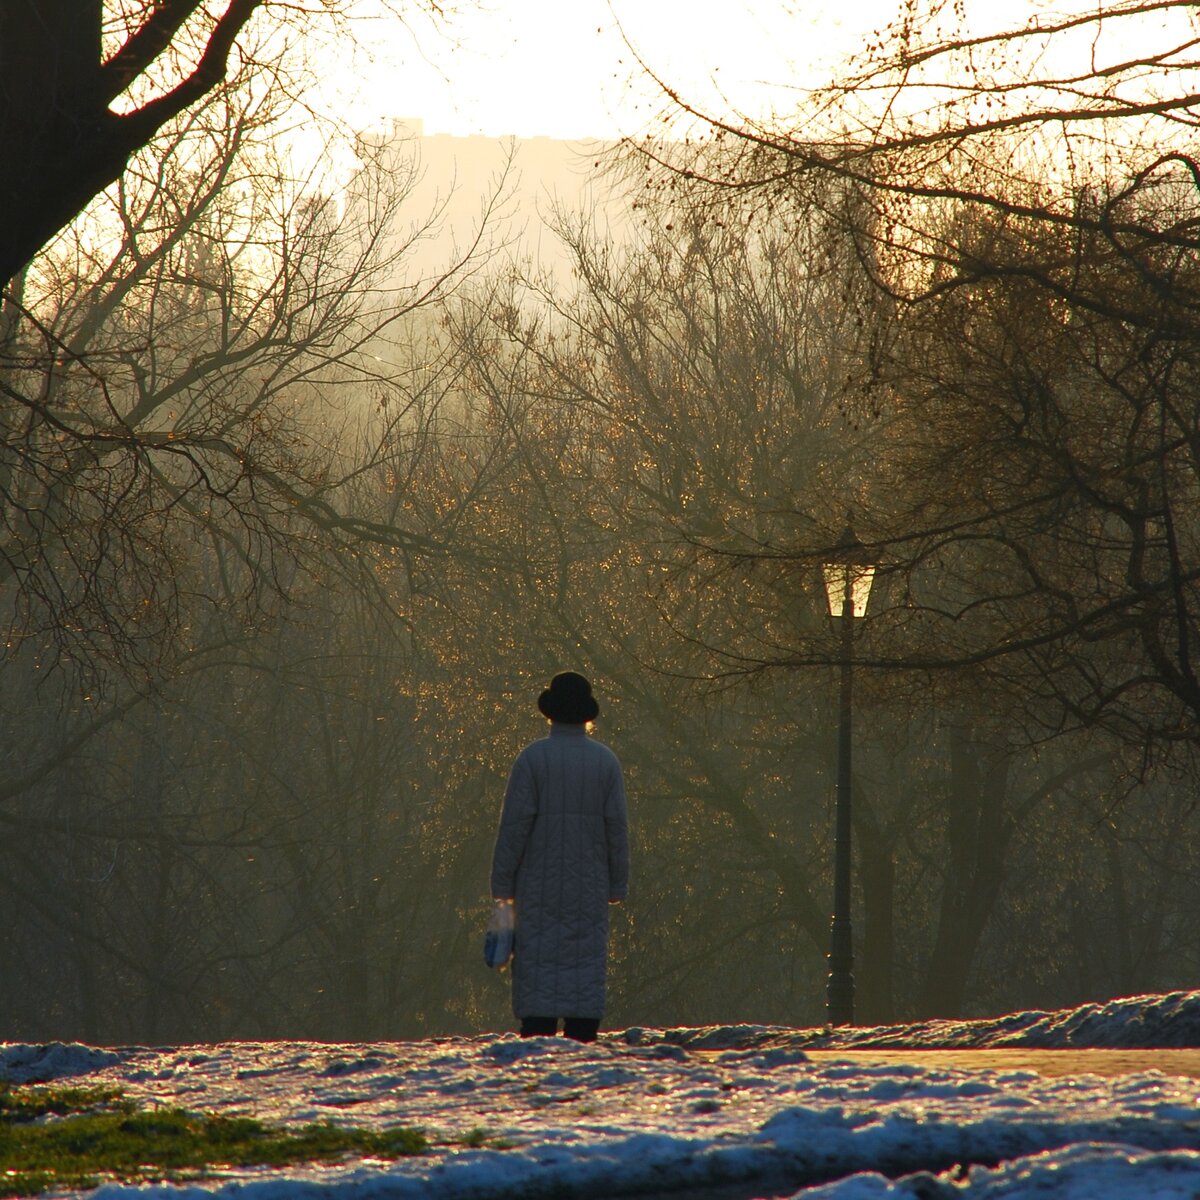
[296, 528]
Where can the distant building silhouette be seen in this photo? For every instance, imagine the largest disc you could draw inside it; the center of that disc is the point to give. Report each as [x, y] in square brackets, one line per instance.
[459, 176]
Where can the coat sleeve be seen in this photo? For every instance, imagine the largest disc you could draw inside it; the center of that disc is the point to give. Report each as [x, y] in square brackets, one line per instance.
[616, 829]
[516, 821]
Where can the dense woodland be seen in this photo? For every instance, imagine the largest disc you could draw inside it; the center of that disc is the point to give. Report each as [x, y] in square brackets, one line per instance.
[293, 535]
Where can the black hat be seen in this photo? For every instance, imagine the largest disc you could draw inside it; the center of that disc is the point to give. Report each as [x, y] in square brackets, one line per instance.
[569, 700]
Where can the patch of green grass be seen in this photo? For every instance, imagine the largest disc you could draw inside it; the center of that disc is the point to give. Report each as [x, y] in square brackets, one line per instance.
[76, 1137]
[479, 1137]
[474, 1138]
[29, 1103]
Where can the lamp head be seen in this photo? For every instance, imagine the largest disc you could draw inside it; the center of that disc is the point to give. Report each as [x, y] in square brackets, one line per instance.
[848, 576]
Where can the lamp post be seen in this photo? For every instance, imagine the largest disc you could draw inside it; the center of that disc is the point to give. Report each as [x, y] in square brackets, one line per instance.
[848, 578]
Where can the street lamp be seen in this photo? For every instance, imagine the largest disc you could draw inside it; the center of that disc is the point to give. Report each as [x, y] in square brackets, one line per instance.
[848, 578]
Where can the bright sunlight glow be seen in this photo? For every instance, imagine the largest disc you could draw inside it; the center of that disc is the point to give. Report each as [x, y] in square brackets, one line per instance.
[565, 70]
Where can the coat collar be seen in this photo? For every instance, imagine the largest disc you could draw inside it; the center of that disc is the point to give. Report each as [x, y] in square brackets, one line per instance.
[558, 729]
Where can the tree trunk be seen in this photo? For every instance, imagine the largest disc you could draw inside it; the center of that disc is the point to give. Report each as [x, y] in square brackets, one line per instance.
[877, 1004]
[977, 837]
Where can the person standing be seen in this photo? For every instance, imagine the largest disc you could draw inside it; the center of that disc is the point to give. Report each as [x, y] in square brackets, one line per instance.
[562, 856]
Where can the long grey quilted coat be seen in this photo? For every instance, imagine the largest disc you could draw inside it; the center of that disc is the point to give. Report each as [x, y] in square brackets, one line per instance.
[562, 851]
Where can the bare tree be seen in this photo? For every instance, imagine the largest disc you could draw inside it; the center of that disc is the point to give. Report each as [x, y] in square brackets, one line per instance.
[62, 142]
[940, 116]
[176, 369]
[86, 86]
[186, 382]
[1037, 183]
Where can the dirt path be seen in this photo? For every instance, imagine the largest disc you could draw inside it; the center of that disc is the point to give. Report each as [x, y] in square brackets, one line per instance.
[1044, 1062]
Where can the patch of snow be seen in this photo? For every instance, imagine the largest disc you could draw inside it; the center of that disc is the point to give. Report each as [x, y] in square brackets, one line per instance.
[1093, 1171]
[22, 1062]
[638, 1114]
[1133, 1023]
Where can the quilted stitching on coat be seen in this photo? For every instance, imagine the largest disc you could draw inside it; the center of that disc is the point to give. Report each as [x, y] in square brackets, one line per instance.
[562, 851]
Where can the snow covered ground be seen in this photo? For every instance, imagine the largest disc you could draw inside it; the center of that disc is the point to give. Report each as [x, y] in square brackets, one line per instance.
[725, 1112]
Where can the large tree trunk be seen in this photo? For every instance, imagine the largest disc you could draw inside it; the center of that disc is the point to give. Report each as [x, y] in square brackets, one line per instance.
[977, 838]
[60, 143]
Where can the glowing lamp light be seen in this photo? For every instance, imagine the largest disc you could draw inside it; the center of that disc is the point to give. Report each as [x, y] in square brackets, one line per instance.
[848, 582]
[848, 578]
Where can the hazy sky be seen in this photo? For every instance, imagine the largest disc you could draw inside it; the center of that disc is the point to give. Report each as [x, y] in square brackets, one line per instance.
[561, 67]
[564, 68]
